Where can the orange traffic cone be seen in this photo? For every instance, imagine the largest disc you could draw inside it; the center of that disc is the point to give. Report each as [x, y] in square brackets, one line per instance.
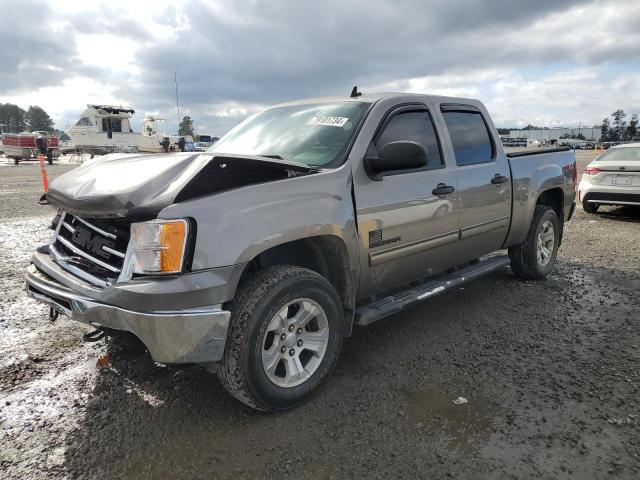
[43, 171]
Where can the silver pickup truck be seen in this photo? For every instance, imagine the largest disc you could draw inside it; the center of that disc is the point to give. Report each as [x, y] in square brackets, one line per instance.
[258, 257]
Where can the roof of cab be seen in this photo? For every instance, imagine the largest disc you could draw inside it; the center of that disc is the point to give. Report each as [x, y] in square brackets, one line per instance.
[375, 97]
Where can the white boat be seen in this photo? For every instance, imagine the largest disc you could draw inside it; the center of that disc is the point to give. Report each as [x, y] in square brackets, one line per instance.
[105, 128]
[157, 142]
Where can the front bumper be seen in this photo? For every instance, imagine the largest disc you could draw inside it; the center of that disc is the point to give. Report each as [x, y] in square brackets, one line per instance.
[192, 335]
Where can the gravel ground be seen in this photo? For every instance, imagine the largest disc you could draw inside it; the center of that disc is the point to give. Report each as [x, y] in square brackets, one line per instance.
[551, 372]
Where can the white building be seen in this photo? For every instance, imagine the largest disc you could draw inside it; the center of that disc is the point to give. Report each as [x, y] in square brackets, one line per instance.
[548, 134]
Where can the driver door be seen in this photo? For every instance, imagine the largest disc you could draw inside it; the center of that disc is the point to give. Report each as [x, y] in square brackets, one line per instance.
[408, 226]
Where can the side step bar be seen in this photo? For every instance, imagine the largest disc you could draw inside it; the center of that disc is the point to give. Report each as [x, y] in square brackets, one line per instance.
[367, 314]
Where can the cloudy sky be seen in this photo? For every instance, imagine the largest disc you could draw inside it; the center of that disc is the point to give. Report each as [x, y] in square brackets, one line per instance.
[546, 62]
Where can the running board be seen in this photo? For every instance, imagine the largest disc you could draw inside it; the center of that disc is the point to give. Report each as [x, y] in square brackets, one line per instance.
[386, 306]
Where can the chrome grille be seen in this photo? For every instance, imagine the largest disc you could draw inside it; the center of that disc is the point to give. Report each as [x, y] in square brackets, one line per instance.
[90, 248]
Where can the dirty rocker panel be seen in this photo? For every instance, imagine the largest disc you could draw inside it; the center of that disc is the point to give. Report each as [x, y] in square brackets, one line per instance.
[391, 304]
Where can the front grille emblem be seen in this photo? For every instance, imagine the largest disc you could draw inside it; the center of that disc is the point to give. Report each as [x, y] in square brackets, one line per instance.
[92, 243]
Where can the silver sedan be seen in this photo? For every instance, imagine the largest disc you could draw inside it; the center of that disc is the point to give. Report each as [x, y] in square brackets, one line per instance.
[612, 179]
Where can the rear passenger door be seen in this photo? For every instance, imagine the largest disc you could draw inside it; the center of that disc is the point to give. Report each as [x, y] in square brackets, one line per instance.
[408, 230]
[484, 181]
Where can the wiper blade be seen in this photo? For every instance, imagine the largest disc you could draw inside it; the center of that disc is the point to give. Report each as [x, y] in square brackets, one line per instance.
[277, 157]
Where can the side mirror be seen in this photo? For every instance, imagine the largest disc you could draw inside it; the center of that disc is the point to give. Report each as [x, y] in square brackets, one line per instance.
[393, 156]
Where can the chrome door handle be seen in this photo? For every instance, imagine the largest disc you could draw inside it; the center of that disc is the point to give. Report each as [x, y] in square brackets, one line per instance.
[498, 179]
[443, 189]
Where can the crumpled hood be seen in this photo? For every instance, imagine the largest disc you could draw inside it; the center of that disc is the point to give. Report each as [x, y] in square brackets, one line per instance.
[134, 185]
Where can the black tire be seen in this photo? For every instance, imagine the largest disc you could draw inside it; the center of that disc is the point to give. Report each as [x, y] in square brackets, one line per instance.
[524, 257]
[16, 161]
[257, 301]
[590, 207]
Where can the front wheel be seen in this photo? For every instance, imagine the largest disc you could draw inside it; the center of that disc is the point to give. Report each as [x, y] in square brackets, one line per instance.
[534, 258]
[284, 338]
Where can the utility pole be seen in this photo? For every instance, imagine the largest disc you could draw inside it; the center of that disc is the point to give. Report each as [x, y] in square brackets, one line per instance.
[175, 79]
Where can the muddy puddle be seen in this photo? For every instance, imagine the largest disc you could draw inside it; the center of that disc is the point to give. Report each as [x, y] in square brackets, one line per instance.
[466, 422]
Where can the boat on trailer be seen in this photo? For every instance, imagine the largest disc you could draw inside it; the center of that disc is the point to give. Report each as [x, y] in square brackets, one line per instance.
[104, 129]
[107, 129]
[27, 146]
[154, 141]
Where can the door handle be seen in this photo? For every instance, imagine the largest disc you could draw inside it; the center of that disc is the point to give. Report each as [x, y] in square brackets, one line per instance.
[498, 179]
[443, 189]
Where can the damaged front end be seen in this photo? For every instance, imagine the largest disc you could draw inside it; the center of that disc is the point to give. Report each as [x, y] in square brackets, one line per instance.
[90, 271]
[139, 186]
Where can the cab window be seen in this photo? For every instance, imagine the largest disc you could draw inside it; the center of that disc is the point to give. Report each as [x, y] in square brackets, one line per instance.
[469, 137]
[416, 126]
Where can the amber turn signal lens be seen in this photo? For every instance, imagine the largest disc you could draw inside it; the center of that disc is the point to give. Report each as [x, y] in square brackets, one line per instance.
[172, 242]
[158, 246]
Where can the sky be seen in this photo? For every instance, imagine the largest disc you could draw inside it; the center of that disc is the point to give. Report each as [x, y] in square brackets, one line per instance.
[548, 62]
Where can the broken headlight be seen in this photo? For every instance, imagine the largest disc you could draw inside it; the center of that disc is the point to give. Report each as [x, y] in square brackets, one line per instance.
[158, 246]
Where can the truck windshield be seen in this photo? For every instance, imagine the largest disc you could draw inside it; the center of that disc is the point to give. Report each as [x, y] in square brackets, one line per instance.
[622, 154]
[314, 134]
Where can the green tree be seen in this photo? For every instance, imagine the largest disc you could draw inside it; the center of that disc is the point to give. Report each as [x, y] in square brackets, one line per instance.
[61, 134]
[12, 118]
[186, 126]
[618, 124]
[605, 130]
[39, 120]
[632, 129]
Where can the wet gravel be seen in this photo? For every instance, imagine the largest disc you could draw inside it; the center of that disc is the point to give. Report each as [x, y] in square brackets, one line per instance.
[550, 371]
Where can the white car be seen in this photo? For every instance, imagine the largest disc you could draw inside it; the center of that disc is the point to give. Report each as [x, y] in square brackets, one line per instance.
[612, 179]
[202, 146]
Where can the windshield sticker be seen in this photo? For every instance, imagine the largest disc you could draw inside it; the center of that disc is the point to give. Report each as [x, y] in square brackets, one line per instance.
[328, 121]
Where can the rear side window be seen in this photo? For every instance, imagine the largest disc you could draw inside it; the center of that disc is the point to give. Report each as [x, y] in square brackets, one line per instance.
[416, 126]
[470, 137]
[622, 154]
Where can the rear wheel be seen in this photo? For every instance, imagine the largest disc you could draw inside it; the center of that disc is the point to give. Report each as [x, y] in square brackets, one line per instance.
[590, 207]
[534, 258]
[284, 338]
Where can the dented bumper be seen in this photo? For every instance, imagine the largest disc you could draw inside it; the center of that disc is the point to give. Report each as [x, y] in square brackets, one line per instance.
[190, 335]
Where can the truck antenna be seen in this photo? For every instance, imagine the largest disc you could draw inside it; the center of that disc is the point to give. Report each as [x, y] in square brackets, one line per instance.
[355, 93]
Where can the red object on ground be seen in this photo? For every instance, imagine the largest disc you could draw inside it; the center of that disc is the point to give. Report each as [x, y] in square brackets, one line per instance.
[43, 171]
[103, 361]
[27, 140]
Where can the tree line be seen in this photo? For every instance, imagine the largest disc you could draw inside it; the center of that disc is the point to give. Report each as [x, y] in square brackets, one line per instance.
[14, 119]
[618, 129]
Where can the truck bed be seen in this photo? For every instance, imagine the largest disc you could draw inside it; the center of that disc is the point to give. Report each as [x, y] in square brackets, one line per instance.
[549, 170]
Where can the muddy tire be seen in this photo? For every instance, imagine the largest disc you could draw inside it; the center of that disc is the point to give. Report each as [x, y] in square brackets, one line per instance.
[284, 337]
[590, 207]
[534, 258]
